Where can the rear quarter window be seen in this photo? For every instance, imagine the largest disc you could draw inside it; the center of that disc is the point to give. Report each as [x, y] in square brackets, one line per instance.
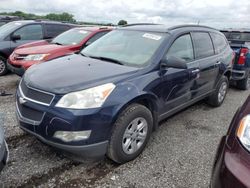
[219, 41]
[203, 45]
[52, 30]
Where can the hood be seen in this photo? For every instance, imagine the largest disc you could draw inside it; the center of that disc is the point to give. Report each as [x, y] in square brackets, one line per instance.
[43, 49]
[32, 44]
[74, 73]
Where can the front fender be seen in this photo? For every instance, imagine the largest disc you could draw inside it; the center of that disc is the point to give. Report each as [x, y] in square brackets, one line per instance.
[128, 93]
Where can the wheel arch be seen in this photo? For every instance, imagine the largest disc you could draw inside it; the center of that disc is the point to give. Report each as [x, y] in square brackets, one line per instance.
[147, 100]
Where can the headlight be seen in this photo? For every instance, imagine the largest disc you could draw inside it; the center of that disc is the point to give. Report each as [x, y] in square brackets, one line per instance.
[243, 132]
[89, 98]
[35, 57]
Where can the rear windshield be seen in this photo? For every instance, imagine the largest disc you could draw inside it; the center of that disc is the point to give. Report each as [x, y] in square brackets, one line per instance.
[239, 36]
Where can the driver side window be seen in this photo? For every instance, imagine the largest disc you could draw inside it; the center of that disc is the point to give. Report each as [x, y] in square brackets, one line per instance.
[30, 32]
[182, 48]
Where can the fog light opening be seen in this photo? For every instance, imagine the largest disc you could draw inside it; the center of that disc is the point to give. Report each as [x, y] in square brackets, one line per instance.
[70, 136]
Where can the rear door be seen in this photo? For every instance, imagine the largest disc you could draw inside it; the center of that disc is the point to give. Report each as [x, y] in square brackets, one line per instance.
[208, 62]
[27, 33]
[223, 54]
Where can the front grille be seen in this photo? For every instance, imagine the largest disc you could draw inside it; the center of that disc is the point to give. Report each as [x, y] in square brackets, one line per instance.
[29, 114]
[36, 95]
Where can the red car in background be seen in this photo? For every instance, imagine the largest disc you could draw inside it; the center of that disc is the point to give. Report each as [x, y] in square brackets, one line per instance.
[71, 41]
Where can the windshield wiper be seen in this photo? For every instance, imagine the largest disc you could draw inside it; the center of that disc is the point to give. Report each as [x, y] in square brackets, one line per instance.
[56, 43]
[107, 59]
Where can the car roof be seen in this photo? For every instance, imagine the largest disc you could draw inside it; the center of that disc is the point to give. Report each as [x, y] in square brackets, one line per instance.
[43, 21]
[235, 30]
[94, 28]
[165, 29]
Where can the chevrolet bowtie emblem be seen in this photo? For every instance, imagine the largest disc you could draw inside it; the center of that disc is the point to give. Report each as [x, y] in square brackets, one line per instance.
[22, 100]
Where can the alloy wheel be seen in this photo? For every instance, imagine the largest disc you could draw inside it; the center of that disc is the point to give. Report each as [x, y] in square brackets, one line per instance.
[222, 92]
[135, 135]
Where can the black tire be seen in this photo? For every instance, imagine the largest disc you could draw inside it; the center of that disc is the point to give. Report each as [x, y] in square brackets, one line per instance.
[214, 99]
[115, 149]
[245, 83]
[3, 66]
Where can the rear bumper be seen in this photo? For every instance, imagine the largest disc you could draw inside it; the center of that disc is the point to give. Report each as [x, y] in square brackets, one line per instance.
[19, 71]
[238, 74]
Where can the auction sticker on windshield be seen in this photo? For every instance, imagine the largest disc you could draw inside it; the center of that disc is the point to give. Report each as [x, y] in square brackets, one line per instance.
[152, 36]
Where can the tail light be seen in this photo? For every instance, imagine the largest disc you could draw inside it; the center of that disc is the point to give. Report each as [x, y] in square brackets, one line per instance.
[243, 54]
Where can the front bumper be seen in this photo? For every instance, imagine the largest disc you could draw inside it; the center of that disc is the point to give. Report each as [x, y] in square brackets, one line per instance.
[232, 167]
[53, 119]
[17, 70]
[4, 153]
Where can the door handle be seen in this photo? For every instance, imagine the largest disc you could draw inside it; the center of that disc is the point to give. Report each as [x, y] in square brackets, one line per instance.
[195, 71]
[218, 63]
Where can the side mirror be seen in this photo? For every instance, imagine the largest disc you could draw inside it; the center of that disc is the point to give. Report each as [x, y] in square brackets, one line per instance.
[15, 37]
[174, 62]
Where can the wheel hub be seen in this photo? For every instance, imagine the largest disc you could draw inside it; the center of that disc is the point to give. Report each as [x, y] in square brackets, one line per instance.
[134, 135]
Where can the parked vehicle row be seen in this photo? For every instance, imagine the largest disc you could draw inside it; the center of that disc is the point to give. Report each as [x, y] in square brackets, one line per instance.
[6, 19]
[17, 33]
[157, 70]
[106, 98]
[71, 41]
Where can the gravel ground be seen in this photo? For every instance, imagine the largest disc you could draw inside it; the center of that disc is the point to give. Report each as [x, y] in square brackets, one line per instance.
[179, 154]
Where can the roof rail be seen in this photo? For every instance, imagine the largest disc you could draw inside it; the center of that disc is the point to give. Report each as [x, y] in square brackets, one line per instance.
[189, 25]
[134, 24]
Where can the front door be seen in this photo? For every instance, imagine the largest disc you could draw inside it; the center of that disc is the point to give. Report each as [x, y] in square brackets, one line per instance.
[27, 33]
[177, 84]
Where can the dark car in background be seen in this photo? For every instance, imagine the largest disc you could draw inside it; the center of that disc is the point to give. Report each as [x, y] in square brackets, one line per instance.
[71, 41]
[239, 40]
[18, 33]
[232, 162]
[6, 19]
[4, 152]
[110, 97]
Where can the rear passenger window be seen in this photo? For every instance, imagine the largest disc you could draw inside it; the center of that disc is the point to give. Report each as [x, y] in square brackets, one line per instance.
[53, 30]
[202, 44]
[219, 42]
[182, 48]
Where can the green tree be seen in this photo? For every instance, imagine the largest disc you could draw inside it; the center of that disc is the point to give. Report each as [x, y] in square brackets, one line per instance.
[122, 22]
[66, 17]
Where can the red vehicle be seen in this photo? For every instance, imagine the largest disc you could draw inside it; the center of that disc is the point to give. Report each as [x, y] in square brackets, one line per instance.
[232, 162]
[71, 41]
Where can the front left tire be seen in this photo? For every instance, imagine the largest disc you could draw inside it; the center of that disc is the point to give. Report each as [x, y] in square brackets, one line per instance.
[130, 134]
[3, 66]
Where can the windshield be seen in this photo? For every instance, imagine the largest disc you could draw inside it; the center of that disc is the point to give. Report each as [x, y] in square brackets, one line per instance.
[73, 36]
[133, 48]
[240, 36]
[6, 29]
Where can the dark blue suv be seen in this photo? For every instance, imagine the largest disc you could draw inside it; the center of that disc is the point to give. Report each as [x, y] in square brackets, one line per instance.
[110, 97]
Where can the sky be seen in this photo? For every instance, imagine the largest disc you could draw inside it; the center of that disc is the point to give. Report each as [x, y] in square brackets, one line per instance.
[215, 13]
